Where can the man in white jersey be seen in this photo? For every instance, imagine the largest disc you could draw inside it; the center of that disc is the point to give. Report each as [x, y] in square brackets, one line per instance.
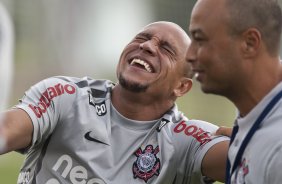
[235, 53]
[96, 132]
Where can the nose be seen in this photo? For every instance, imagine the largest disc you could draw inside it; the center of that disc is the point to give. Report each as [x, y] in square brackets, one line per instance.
[149, 46]
[191, 54]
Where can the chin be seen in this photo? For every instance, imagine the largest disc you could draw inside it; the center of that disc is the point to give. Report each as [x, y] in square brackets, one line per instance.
[131, 85]
[213, 90]
[207, 89]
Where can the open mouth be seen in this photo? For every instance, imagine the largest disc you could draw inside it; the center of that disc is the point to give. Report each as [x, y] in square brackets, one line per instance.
[142, 64]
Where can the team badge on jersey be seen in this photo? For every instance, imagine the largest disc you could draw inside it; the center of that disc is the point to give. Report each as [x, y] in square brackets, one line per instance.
[100, 108]
[147, 164]
[162, 124]
[242, 172]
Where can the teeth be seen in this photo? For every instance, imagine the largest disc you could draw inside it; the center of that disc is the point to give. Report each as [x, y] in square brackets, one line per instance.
[143, 63]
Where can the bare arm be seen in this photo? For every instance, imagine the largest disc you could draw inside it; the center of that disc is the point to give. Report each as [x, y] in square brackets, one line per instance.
[15, 130]
[227, 131]
[214, 161]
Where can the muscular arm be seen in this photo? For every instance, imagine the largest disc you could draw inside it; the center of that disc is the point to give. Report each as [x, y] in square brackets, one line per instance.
[15, 130]
[214, 162]
[227, 131]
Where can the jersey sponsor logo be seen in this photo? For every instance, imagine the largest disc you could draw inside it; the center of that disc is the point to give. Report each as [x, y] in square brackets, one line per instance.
[90, 138]
[24, 176]
[241, 173]
[76, 175]
[48, 95]
[192, 130]
[100, 108]
[147, 164]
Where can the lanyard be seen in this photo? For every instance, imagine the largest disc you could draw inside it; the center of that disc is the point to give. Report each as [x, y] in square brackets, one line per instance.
[248, 137]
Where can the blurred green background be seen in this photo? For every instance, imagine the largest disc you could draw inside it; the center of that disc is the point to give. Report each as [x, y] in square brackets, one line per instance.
[85, 38]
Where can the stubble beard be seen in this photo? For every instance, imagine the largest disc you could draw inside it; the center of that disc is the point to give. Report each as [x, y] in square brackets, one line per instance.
[132, 86]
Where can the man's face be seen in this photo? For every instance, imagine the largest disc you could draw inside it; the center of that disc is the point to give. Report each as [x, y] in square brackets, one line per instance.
[154, 59]
[213, 53]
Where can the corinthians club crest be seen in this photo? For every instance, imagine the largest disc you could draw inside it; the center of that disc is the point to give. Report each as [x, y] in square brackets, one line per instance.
[147, 164]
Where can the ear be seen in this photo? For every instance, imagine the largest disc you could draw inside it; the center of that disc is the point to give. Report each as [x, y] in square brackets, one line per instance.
[183, 87]
[251, 42]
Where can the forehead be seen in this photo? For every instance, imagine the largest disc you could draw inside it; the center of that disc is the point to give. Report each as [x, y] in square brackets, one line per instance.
[208, 13]
[167, 32]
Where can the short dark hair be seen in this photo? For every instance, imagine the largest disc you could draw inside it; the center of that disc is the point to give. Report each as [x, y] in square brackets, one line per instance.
[264, 15]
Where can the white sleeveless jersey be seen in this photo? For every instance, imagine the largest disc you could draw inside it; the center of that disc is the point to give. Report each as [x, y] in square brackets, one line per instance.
[262, 159]
[79, 138]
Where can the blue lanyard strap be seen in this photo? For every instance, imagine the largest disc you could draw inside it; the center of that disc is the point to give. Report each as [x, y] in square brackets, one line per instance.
[248, 137]
[227, 172]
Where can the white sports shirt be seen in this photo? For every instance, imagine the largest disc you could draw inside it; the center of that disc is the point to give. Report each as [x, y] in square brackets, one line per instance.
[262, 160]
[80, 138]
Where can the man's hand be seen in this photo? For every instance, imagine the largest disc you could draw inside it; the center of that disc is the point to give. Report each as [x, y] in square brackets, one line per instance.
[226, 131]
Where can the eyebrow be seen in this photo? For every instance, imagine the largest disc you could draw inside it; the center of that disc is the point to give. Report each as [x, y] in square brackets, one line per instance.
[147, 35]
[195, 31]
[162, 42]
[166, 43]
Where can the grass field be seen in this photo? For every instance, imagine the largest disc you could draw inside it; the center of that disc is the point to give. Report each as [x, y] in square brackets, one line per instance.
[9, 167]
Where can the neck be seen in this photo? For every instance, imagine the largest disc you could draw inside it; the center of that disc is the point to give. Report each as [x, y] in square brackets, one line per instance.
[139, 106]
[256, 86]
